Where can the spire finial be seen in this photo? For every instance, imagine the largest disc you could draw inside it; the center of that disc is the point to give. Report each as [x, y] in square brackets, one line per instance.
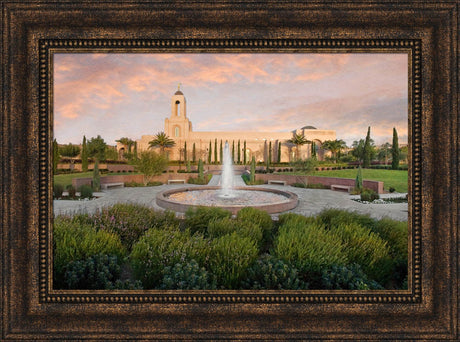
[178, 87]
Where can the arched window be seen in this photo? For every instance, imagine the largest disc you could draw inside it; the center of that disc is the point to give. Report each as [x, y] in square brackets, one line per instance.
[176, 131]
[178, 108]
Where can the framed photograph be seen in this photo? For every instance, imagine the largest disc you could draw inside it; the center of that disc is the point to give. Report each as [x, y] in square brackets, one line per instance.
[138, 105]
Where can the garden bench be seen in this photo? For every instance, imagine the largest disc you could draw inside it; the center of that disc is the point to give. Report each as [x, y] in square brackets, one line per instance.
[280, 182]
[176, 181]
[341, 187]
[112, 185]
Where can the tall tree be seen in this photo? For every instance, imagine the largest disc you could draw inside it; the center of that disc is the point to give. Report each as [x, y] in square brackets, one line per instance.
[313, 150]
[135, 149]
[395, 152]
[209, 152]
[215, 151]
[239, 152]
[162, 141]
[298, 140]
[244, 153]
[97, 148]
[194, 153]
[233, 151]
[56, 155]
[70, 151]
[279, 152]
[96, 176]
[84, 156]
[185, 152]
[150, 164]
[335, 146]
[221, 154]
[367, 149]
[253, 170]
[269, 153]
[127, 142]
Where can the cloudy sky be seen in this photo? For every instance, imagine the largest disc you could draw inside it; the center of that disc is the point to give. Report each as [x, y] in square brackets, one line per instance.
[128, 95]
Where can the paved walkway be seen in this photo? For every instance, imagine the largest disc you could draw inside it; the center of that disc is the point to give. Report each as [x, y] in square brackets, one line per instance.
[311, 201]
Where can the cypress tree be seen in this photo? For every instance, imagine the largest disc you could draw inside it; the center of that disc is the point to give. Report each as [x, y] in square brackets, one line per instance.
[279, 152]
[135, 149]
[244, 153]
[253, 170]
[194, 153]
[233, 151]
[313, 149]
[215, 151]
[210, 152]
[96, 176]
[367, 149]
[221, 153]
[56, 155]
[269, 153]
[200, 169]
[239, 152]
[359, 179]
[395, 151]
[185, 152]
[84, 156]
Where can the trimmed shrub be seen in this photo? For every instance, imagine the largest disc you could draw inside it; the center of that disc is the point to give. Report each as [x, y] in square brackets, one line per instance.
[366, 249]
[369, 195]
[73, 242]
[198, 219]
[340, 277]
[310, 248]
[270, 273]
[97, 272]
[299, 185]
[58, 189]
[186, 276]
[71, 190]
[230, 257]
[86, 191]
[220, 227]
[158, 249]
[335, 217]
[154, 183]
[251, 216]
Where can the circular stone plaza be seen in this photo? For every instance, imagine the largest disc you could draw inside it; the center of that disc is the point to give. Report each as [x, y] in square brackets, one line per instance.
[310, 201]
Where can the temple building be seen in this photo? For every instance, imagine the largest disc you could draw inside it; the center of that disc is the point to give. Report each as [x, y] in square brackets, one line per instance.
[179, 128]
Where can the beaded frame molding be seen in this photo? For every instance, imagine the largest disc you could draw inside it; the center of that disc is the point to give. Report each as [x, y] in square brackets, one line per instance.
[32, 31]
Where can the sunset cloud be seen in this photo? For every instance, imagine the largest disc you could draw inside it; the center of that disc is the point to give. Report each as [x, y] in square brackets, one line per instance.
[118, 95]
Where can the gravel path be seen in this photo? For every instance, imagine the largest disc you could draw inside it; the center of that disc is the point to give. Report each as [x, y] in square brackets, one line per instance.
[311, 201]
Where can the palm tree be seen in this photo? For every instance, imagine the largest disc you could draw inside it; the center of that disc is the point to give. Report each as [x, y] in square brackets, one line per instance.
[127, 142]
[335, 146]
[298, 140]
[162, 141]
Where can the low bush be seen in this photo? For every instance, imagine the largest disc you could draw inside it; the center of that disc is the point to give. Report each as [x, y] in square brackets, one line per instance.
[369, 195]
[250, 216]
[71, 190]
[340, 277]
[154, 183]
[86, 191]
[230, 257]
[98, 272]
[299, 185]
[133, 184]
[270, 273]
[73, 241]
[158, 249]
[58, 189]
[335, 217]
[220, 227]
[186, 276]
[247, 179]
[198, 219]
[391, 189]
[200, 181]
[317, 186]
[310, 248]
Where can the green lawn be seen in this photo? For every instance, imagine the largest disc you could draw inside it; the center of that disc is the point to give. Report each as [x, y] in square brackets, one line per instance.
[66, 179]
[390, 178]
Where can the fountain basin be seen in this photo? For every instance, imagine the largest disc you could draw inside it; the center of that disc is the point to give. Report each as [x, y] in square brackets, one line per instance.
[270, 200]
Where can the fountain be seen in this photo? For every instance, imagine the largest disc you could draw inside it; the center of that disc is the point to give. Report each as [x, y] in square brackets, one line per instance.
[227, 196]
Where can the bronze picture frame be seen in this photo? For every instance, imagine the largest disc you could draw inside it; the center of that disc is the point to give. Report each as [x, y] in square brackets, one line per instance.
[33, 30]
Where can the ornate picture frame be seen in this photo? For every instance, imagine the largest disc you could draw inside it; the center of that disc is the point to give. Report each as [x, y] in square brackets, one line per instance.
[33, 31]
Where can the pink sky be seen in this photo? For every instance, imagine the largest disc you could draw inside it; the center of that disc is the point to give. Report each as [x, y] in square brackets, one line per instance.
[128, 95]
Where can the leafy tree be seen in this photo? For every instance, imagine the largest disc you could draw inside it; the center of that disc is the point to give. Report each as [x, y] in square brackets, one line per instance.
[194, 153]
[335, 146]
[298, 140]
[383, 152]
[84, 156]
[97, 148]
[111, 153]
[367, 149]
[162, 141]
[56, 155]
[395, 151]
[244, 153]
[150, 164]
[358, 149]
[69, 150]
[209, 152]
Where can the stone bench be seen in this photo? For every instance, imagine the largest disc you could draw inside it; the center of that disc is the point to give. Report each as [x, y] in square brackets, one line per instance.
[341, 187]
[112, 185]
[279, 182]
[176, 181]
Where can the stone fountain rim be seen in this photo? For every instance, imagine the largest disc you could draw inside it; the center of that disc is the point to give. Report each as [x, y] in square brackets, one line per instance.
[291, 203]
